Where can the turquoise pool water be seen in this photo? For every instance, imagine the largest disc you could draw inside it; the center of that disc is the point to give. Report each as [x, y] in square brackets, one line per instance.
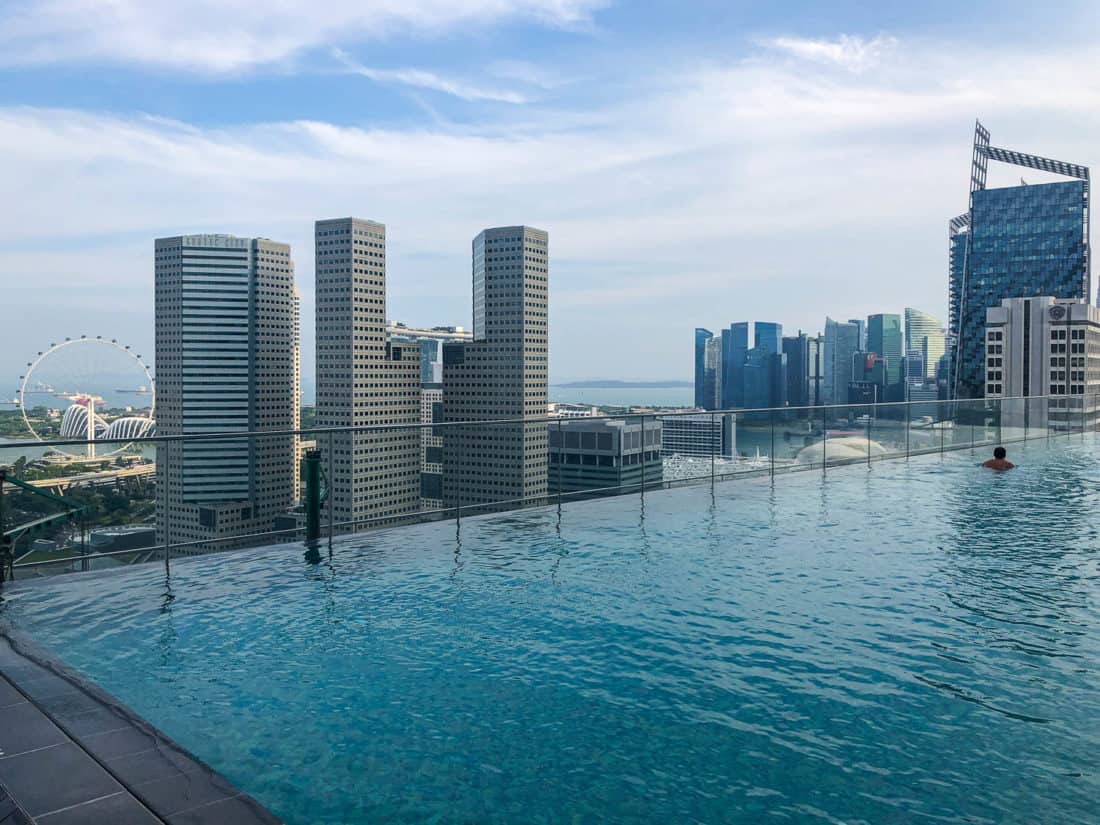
[909, 642]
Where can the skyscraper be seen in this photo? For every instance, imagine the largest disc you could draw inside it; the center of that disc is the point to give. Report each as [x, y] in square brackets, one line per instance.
[364, 379]
[226, 339]
[735, 346]
[797, 350]
[702, 338]
[924, 337]
[862, 326]
[501, 374]
[712, 384]
[1014, 242]
[769, 336]
[840, 345]
[884, 338]
[815, 366]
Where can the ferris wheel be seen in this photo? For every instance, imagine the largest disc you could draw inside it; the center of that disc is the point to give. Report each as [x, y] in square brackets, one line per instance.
[85, 389]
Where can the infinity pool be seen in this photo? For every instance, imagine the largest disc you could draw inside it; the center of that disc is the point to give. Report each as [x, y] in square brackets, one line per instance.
[910, 642]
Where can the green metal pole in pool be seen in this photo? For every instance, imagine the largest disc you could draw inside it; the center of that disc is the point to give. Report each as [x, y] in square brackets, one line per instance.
[312, 467]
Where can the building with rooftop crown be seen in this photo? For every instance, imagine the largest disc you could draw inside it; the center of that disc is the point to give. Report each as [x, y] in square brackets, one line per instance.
[501, 374]
[364, 379]
[1015, 241]
[226, 342]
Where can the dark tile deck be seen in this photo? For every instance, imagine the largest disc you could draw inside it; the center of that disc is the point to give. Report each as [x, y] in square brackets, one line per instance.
[70, 754]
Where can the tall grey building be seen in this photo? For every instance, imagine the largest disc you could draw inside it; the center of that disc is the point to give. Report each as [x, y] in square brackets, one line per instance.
[842, 342]
[924, 337]
[500, 374]
[1043, 346]
[226, 336]
[364, 379]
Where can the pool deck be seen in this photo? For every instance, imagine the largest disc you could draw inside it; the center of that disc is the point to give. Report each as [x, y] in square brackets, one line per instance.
[71, 754]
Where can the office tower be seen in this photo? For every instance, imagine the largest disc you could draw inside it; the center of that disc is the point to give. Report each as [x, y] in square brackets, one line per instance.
[815, 362]
[431, 447]
[1044, 346]
[797, 350]
[1014, 242]
[604, 454]
[500, 374]
[702, 339]
[735, 346]
[712, 384]
[225, 344]
[924, 335]
[765, 378]
[296, 323]
[699, 435]
[885, 339]
[862, 325]
[870, 377]
[769, 336]
[841, 342]
[364, 379]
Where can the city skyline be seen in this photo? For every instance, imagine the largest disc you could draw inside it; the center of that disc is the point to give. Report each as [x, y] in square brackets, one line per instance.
[134, 134]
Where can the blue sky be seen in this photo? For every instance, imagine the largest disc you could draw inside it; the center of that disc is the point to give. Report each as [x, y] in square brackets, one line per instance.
[694, 163]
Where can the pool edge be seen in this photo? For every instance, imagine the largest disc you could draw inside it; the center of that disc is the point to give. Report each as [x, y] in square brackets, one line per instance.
[111, 743]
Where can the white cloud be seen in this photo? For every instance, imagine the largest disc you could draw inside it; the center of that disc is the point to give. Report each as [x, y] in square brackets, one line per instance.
[423, 79]
[216, 36]
[748, 190]
[848, 52]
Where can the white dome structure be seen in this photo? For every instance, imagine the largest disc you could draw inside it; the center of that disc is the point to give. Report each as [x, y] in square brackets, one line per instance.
[74, 423]
[132, 426]
[847, 448]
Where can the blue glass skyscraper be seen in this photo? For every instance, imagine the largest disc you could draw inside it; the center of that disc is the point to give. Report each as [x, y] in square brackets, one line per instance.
[1014, 242]
[769, 336]
[735, 347]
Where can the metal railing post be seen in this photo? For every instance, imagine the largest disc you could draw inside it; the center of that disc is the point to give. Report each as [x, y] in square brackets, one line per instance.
[908, 427]
[824, 440]
[643, 456]
[162, 494]
[870, 418]
[771, 416]
[561, 455]
[331, 489]
[712, 451]
[458, 479]
[313, 496]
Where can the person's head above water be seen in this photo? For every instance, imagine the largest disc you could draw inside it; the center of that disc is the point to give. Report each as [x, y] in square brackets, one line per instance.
[999, 452]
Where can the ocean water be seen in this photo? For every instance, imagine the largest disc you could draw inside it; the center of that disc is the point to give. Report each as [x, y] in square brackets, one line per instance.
[625, 396]
[906, 642]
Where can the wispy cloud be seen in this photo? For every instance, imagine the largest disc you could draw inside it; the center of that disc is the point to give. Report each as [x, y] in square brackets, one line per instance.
[423, 79]
[220, 36]
[855, 54]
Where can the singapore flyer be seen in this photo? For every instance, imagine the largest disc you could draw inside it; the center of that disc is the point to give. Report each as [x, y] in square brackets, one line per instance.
[94, 389]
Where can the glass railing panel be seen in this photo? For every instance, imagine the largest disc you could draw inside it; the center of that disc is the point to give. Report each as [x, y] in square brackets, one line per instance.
[797, 439]
[753, 450]
[75, 507]
[887, 430]
[845, 437]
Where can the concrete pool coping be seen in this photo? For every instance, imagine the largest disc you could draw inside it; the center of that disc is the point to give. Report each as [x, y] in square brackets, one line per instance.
[70, 753]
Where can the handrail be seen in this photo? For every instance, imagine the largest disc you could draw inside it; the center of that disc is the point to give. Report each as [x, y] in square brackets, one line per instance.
[229, 435]
[818, 415]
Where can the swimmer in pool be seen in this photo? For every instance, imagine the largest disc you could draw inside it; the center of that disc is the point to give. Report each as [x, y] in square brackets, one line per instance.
[999, 462]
